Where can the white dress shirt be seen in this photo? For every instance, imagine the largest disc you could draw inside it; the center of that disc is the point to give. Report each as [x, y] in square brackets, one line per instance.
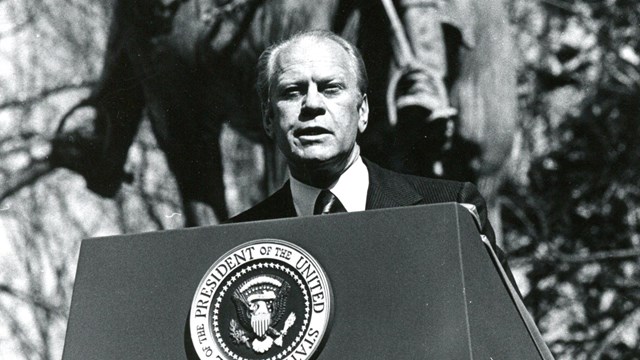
[351, 189]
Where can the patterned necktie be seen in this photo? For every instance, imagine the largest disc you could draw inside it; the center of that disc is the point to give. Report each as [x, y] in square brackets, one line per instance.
[327, 203]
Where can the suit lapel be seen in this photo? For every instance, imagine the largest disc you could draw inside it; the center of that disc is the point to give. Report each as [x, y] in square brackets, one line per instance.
[388, 189]
[282, 202]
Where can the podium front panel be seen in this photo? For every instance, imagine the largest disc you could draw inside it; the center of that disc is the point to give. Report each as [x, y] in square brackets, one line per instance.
[407, 283]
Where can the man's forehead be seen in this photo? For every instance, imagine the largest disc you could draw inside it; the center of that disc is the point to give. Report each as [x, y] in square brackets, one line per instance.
[313, 44]
[311, 52]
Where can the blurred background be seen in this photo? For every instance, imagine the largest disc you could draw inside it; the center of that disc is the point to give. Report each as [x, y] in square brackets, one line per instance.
[566, 200]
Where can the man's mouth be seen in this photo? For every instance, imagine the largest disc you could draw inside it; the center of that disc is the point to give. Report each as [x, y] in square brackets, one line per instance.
[310, 131]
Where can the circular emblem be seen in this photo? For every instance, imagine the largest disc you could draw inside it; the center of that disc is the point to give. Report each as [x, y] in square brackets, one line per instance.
[265, 299]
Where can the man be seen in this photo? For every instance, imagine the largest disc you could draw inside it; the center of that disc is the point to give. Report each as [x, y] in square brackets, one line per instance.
[314, 104]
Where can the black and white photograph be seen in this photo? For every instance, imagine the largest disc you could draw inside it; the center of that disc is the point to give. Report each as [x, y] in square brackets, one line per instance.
[320, 179]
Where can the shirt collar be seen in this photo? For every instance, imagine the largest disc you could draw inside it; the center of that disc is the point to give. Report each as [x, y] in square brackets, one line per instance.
[351, 189]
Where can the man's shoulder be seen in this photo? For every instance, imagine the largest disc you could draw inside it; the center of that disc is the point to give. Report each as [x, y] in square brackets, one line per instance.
[276, 206]
[433, 190]
[420, 181]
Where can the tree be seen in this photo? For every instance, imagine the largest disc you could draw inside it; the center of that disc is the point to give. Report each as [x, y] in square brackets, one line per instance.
[575, 210]
[51, 53]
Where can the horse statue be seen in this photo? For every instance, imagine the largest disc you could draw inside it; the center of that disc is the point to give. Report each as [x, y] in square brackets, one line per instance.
[188, 65]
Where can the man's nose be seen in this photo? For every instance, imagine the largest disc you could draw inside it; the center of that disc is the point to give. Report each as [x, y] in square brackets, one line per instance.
[313, 104]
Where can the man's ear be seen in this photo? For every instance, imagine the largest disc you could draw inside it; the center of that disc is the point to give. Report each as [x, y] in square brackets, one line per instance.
[267, 119]
[363, 111]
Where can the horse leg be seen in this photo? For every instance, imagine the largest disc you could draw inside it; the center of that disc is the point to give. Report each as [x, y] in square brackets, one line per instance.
[203, 190]
[119, 105]
[378, 141]
[190, 139]
[118, 100]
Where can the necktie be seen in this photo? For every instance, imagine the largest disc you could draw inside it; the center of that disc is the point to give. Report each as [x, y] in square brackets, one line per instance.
[327, 203]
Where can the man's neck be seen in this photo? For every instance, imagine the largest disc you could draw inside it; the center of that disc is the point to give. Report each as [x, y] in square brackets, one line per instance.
[324, 175]
[351, 189]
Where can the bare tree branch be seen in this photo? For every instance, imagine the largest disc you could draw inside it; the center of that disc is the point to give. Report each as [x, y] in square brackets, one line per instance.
[30, 299]
[38, 169]
[18, 332]
[42, 95]
[614, 334]
[20, 137]
[564, 5]
[556, 256]
[598, 256]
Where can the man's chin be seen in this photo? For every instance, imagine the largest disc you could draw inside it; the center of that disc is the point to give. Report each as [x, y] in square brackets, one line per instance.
[315, 156]
[319, 169]
[316, 162]
[323, 163]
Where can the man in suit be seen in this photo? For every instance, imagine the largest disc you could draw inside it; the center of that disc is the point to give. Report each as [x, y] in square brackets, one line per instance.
[314, 104]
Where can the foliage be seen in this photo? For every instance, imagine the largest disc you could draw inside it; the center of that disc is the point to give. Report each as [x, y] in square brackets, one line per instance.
[576, 210]
[50, 55]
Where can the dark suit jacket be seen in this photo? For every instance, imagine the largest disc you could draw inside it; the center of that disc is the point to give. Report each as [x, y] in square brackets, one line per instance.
[388, 189]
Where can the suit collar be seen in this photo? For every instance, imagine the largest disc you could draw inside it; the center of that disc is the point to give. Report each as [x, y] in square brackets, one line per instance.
[388, 189]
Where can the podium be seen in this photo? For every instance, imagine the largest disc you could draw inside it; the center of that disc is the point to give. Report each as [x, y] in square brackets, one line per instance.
[406, 283]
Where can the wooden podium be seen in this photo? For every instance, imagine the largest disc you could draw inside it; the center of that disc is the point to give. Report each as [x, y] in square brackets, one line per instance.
[407, 283]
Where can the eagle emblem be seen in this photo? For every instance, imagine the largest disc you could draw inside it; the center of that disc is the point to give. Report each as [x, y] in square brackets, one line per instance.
[265, 299]
[261, 302]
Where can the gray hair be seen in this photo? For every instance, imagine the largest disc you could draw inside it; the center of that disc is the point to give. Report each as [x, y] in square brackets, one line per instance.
[267, 59]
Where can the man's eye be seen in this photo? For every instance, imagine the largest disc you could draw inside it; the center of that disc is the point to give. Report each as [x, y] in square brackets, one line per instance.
[291, 91]
[332, 89]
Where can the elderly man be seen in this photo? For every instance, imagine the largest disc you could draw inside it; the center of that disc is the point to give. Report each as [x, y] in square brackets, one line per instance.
[313, 90]
[314, 103]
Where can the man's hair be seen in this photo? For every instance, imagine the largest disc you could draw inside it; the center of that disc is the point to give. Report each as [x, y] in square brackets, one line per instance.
[267, 59]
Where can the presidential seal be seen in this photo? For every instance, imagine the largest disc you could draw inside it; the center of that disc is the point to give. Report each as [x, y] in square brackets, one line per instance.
[263, 300]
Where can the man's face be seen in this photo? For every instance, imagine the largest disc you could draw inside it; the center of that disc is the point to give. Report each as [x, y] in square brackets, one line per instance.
[316, 110]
